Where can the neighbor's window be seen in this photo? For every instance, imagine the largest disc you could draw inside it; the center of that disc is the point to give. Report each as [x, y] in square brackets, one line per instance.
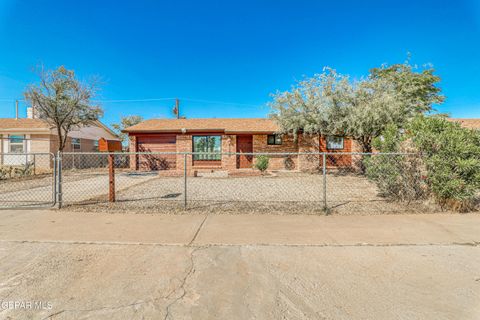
[334, 143]
[95, 145]
[207, 144]
[16, 143]
[274, 139]
[76, 144]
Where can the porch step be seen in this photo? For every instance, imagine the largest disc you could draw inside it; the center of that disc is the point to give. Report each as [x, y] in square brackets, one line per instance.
[244, 173]
[211, 173]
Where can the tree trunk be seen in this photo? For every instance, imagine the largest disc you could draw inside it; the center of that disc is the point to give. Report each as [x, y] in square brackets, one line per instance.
[61, 144]
[366, 144]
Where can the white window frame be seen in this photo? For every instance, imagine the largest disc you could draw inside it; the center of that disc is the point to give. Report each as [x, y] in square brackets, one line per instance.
[74, 143]
[10, 143]
[335, 145]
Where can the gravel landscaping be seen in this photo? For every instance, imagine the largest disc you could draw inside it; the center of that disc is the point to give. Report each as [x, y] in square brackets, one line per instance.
[278, 194]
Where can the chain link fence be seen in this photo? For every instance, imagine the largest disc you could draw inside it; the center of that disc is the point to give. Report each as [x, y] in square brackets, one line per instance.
[27, 180]
[348, 183]
[169, 182]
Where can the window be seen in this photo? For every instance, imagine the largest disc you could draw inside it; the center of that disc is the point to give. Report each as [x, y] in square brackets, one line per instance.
[76, 144]
[274, 139]
[16, 144]
[207, 144]
[95, 145]
[334, 143]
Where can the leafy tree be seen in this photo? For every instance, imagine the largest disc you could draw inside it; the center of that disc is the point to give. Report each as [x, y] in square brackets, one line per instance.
[331, 104]
[391, 95]
[126, 122]
[63, 101]
[316, 105]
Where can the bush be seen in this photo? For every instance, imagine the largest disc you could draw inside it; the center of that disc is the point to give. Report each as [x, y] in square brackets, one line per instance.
[452, 158]
[262, 163]
[398, 177]
[447, 168]
[12, 172]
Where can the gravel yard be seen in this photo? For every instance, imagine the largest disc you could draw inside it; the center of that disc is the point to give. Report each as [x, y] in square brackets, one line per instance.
[279, 194]
[79, 186]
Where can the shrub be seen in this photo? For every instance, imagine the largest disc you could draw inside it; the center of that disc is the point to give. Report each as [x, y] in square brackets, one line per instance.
[452, 158]
[447, 168]
[261, 163]
[398, 177]
[12, 172]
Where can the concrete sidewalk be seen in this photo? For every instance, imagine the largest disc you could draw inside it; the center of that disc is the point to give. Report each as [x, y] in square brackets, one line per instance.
[51, 225]
[127, 266]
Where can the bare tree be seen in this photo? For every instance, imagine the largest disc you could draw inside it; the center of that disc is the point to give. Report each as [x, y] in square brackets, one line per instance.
[63, 101]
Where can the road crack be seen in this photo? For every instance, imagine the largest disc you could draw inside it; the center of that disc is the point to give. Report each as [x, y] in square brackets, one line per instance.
[189, 272]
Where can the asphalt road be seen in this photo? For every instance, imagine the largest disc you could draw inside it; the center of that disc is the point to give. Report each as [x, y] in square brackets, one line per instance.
[118, 266]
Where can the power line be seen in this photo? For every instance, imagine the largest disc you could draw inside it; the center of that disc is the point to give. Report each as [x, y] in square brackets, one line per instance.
[135, 100]
[221, 102]
[160, 99]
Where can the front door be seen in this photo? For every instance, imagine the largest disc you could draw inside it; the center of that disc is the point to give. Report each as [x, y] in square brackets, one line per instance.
[244, 145]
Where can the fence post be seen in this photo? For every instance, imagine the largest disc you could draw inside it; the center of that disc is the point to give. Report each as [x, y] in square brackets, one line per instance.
[59, 194]
[324, 169]
[111, 178]
[185, 181]
[34, 165]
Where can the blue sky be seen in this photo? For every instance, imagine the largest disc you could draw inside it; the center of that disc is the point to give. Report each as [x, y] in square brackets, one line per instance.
[234, 52]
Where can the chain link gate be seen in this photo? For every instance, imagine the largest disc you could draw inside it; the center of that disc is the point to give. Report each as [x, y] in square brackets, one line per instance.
[27, 180]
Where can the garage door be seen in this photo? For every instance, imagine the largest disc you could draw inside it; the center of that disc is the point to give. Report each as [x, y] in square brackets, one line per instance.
[157, 143]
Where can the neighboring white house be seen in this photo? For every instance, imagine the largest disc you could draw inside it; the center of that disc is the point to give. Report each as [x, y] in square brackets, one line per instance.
[30, 135]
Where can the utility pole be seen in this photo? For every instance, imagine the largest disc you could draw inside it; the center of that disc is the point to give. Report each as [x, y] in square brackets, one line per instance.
[16, 109]
[177, 107]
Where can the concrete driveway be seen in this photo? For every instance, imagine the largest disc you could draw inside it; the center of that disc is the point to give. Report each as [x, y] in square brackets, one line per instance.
[127, 266]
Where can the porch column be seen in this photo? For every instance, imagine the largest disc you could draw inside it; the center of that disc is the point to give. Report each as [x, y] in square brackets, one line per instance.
[229, 144]
[184, 144]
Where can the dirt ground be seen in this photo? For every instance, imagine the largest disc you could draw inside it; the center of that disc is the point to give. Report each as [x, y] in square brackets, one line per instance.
[105, 266]
[280, 193]
[277, 194]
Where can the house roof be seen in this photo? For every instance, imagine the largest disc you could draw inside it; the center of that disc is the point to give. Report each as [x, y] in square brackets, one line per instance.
[23, 124]
[30, 125]
[226, 125]
[473, 123]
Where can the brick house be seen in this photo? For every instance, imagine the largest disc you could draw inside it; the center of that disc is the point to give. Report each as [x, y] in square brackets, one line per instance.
[227, 136]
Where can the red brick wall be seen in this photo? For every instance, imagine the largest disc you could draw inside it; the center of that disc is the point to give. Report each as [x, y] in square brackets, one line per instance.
[260, 144]
[229, 144]
[304, 144]
[337, 160]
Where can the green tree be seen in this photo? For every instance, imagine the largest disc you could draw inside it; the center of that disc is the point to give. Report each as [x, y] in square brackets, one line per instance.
[126, 122]
[63, 101]
[331, 104]
[316, 105]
